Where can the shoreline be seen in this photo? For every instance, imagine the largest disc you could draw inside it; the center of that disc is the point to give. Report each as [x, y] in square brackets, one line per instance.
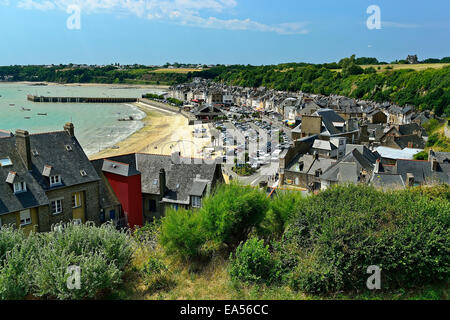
[162, 133]
[115, 85]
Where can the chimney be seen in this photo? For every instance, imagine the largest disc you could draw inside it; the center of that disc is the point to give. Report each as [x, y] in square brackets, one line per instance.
[377, 166]
[69, 128]
[23, 147]
[434, 164]
[162, 182]
[409, 180]
[316, 155]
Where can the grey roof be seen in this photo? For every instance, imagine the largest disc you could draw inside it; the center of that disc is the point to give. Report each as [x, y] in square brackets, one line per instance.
[329, 115]
[369, 155]
[10, 202]
[387, 181]
[441, 156]
[348, 168]
[51, 148]
[410, 141]
[422, 171]
[119, 168]
[198, 188]
[180, 175]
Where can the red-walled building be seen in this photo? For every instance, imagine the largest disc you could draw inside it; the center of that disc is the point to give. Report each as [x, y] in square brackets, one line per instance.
[126, 183]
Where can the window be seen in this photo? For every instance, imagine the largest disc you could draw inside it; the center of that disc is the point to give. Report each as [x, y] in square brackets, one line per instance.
[5, 162]
[25, 218]
[56, 206]
[152, 205]
[68, 147]
[83, 173]
[76, 200]
[55, 180]
[196, 202]
[20, 187]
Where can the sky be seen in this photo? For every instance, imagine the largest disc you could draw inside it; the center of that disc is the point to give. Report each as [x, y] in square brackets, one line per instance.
[153, 32]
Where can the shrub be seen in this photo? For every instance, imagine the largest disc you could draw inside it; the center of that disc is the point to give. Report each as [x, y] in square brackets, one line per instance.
[157, 276]
[232, 212]
[281, 209]
[37, 264]
[182, 233]
[253, 263]
[51, 277]
[226, 219]
[16, 271]
[340, 232]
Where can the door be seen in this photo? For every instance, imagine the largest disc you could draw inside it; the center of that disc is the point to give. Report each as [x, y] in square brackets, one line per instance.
[78, 210]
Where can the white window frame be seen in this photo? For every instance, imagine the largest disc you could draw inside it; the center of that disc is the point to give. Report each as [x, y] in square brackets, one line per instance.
[25, 218]
[76, 199]
[59, 209]
[196, 202]
[55, 180]
[20, 187]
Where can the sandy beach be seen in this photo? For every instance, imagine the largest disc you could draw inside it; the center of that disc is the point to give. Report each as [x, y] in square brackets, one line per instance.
[164, 132]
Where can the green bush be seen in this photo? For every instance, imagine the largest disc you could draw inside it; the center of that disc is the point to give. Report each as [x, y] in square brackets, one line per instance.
[182, 233]
[157, 276]
[338, 233]
[38, 264]
[254, 263]
[232, 212]
[226, 218]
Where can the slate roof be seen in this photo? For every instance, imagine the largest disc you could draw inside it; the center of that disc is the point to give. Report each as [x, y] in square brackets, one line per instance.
[348, 168]
[10, 202]
[422, 171]
[369, 155]
[51, 148]
[387, 181]
[408, 141]
[179, 176]
[441, 156]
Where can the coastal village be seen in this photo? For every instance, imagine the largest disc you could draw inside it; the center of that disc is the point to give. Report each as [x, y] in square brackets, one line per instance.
[284, 141]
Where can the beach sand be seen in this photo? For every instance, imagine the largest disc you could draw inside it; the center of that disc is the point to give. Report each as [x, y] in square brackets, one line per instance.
[163, 133]
[118, 85]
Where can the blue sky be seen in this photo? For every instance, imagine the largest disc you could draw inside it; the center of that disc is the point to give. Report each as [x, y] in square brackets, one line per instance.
[220, 31]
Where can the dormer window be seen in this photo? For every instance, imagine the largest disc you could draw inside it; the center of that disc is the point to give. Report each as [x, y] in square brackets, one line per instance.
[55, 180]
[20, 187]
[35, 152]
[196, 202]
[83, 173]
[5, 162]
[68, 147]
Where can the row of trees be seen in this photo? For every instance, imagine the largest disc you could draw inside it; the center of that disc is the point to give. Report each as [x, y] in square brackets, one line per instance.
[428, 89]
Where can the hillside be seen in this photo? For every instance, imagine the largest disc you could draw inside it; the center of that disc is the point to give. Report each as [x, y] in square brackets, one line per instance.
[243, 245]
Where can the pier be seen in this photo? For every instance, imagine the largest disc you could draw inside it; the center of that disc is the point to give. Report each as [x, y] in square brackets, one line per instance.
[80, 99]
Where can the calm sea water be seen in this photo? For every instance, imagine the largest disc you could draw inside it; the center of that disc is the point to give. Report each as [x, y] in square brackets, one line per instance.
[96, 125]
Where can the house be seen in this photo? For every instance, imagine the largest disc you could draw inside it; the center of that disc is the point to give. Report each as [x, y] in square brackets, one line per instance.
[404, 136]
[206, 113]
[305, 170]
[334, 148]
[326, 123]
[45, 179]
[354, 167]
[164, 181]
[377, 116]
[408, 173]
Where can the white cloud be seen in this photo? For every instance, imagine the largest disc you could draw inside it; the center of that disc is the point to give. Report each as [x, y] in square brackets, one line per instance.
[197, 13]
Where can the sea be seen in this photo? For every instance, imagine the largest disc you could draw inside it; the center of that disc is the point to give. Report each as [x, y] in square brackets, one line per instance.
[96, 125]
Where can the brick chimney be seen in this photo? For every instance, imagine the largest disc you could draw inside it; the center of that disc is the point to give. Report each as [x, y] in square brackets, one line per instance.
[23, 147]
[69, 128]
[377, 166]
[162, 182]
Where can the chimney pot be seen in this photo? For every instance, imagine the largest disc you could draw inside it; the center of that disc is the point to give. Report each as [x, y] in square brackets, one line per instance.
[70, 129]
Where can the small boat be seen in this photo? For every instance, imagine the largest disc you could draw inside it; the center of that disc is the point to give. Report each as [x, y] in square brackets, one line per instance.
[11, 104]
[27, 117]
[25, 109]
[42, 114]
[115, 147]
